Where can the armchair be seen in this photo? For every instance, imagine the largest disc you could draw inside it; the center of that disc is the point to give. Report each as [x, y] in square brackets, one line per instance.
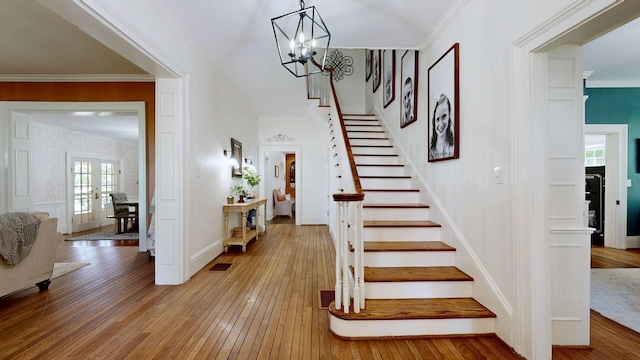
[282, 203]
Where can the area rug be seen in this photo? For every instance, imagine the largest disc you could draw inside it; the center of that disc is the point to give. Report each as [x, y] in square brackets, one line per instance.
[60, 269]
[615, 293]
[107, 235]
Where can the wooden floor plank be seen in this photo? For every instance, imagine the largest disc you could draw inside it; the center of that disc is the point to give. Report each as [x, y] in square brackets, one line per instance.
[111, 309]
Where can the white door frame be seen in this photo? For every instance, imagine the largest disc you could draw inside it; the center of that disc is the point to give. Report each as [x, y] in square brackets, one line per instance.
[263, 152]
[615, 210]
[130, 106]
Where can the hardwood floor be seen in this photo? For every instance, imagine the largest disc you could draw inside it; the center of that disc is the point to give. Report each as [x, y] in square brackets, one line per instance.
[265, 306]
[609, 340]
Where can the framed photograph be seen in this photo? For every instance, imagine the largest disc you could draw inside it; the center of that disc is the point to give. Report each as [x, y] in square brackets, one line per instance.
[236, 154]
[367, 64]
[276, 171]
[444, 105]
[409, 88]
[389, 77]
[377, 72]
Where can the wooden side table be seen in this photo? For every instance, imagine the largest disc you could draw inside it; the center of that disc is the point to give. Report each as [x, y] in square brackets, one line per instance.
[247, 234]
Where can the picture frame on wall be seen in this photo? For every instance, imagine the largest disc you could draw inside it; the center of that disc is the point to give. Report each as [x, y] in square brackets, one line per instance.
[389, 77]
[409, 88]
[377, 72]
[443, 106]
[236, 154]
[367, 64]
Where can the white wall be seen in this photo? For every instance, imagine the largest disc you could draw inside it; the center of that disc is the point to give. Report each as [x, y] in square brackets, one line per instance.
[50, 147]
[349, 88]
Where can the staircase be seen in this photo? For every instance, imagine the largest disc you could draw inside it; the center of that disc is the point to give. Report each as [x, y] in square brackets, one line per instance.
[412, 285]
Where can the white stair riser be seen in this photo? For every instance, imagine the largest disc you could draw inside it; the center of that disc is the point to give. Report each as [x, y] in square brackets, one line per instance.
[417, 327]
[385, 197]
[417, 289]
[409, 258]
[386, 183]
[380, 170]
[372, 142]
[393, 214]
[377, 160]
[387, 150]
[355, 117]
[360, 133]
[362, 127]
[401, 234]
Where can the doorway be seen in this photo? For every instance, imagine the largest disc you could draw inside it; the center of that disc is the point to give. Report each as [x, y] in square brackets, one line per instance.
[12, 111]
[279, 173]
[615, 175]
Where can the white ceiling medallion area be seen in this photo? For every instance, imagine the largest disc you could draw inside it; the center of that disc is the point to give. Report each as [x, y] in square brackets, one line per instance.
[280, 138]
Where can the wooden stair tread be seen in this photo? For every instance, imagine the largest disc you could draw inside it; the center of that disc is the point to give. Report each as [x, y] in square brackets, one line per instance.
[414, 273]
[381, 246]
[367, 138]
[396, 206]
[406, 309]
[391, 190]
[385, 177]
[396, 155]
[373, 146]
[400, 223]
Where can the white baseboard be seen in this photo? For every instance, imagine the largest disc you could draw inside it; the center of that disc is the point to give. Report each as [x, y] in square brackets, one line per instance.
[204, 257]
[633, 242]
[57, 210]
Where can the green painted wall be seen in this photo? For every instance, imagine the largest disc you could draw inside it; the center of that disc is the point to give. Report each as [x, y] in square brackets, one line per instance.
[620, 106]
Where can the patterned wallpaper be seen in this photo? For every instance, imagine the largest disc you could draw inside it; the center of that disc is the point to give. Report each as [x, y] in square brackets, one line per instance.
[49, 155]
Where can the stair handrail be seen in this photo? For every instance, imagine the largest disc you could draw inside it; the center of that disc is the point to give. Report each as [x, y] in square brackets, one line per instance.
[349, 198]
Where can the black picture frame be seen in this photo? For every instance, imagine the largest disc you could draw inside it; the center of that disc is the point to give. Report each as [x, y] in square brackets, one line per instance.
[409, 88]
[443, 100]
[236, 154]
[367, 64]
[389, 77]
[377, 72]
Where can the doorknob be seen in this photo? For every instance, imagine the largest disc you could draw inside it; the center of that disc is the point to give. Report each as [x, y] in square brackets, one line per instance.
[97, 196]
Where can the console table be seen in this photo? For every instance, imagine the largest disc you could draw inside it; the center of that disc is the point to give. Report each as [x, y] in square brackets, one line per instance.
[247, 234]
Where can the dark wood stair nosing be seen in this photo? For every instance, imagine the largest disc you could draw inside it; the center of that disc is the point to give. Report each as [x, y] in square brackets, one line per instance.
[395, 206]
[415, 274]
[390, 190]
[400, 224]
[415, 309]
[385, 177]
[406, 246]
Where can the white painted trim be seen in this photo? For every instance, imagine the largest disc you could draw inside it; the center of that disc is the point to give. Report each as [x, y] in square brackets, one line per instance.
[57, 209]
[615, 215]
[633, 242]
[612, 84]
[200, 259]
[263, 151]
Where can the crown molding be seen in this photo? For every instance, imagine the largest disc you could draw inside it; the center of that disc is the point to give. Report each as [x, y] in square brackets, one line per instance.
[612, 84]
[77, 78]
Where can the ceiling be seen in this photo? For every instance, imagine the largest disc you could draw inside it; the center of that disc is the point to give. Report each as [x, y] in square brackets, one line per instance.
[42, 43]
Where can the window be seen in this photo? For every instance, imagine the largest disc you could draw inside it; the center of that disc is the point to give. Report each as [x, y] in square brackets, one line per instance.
[594, 155]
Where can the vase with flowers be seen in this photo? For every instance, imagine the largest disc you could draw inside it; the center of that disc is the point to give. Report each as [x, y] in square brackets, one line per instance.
[251, 176]
[237, 190]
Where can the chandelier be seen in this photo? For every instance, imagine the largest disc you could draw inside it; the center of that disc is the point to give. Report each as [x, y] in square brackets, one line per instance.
[302, 39]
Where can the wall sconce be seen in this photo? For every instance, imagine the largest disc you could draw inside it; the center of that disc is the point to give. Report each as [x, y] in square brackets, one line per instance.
[248, 162]
[232, 162]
